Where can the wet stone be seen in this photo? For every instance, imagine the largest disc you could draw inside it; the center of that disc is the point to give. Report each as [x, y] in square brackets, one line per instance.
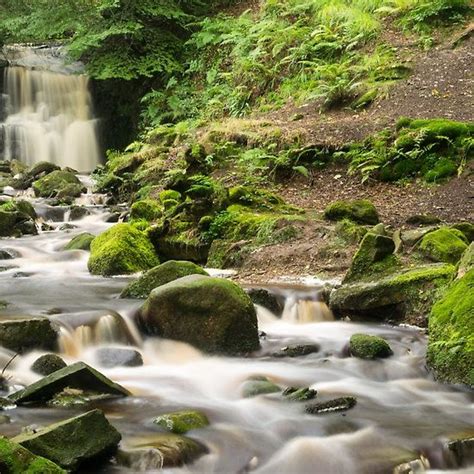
[140, 459]
[109, 357]
[266, 299]
[258, 386]
[331, 406]
[47, 364]
[295, 394]
[181, 422]
[461, 452]
[297, 350]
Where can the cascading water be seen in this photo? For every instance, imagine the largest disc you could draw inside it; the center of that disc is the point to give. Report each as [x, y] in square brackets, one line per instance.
[48, 117]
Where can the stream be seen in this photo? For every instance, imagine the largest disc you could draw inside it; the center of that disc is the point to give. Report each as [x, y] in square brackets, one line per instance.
[399, 406]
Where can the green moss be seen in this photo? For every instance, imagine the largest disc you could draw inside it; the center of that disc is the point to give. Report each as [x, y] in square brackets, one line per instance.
[57, 183]
[360, 211]
[19, 206]
[80, 242]
[369, 347]
[148, 209]
[349, 231]
[160, 275]
[14, 459]
[443, 245]
[451, 339]
[168, 194]
[181, 422]
[467, 228]
[121, 249]
[259, 386]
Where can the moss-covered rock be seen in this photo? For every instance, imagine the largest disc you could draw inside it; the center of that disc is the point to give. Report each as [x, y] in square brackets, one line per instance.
[258, 385]
[75, 441]
[160, 275]
[47, 364]
[408, 292]
[80, 242]
[20, 206]
[374, 256]
[295, 394]
[423, 219]
[349, 231]
[181, 422]
[451, 333]
[17, 218]
[360, 211]
[58, 184]
[213, 314]
[467, 228]
[122, 249]
[42, 168]
[369, 347]
[443, 245]
[15, 459]
[26, 334]
[467, 261]
[147, 209]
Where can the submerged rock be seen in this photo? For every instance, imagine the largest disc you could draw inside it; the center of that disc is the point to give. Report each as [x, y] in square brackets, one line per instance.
[443, 245]
[265, 298]
[175, 449]
[360, 211]
[212, 314]
[72, 442]
[120, 250]
[451, 333]
[181, 422]
[15, 459]
[78, 375]
[47, 364]
[258, 386]
[140, 459]
[80, 242]
[461, 451]
[78, 212]
[118, 357]
[331, 406]
[297, 350]
[369, 347]
[160, 275]
[26, 334]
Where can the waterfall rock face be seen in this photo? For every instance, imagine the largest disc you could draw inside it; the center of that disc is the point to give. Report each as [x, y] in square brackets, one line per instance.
[47, 109]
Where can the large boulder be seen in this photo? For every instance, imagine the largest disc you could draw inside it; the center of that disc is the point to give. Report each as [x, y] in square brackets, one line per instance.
[78, 375]
[361, 211]
[59, 183]
[160, 275]
[75, 441]
[17, 218]
[374, 256]
[408, 292]
[122, 249]
[451, 333]
[15, 459]
[443, 245]
[26, 334]
[212, 314]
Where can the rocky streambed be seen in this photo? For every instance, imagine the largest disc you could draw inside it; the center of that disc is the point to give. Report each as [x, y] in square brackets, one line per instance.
[302, 394]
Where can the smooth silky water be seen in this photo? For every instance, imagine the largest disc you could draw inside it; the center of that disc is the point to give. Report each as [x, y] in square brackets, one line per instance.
[399, 406]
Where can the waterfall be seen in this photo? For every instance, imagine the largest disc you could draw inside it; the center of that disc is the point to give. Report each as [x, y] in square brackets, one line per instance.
[49, 118]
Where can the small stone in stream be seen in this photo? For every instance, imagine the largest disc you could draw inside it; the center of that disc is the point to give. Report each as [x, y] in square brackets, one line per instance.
[412, 467]
[67, 226]
[26, 334]
[331, 406]
[80, 242]
[258, 386]
[175, 449]
[6, 254]
[299, 394]
[140, 459]
[112, 218]
[297, 350]
[78, 212]
[266, 299]
[369, 347]
[6, 404]
[118, 357]
[181, 422]
[461, 451]
[72, 442]
[15, 459]
[47, 364]
[78, 375]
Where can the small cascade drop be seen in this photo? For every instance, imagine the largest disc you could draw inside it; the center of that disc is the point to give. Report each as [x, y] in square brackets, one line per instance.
[49, 118]
[306, 311]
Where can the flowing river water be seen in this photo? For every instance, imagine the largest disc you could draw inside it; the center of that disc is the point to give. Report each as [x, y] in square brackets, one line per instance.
[400, 407]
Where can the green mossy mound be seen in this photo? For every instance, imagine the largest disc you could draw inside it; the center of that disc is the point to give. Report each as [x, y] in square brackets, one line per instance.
[15, 459]
[120, 250]
[360, 211]
[160, 275]
[75, 441]
[59, 183]
[451, 333]
[443, 245]
[467, 228]
[181, 422]
[80, 242]
[21, 206]
[369, 347]
[374, 256]
[148, 209]
[47, 364]
[212, 314]
[17, 217]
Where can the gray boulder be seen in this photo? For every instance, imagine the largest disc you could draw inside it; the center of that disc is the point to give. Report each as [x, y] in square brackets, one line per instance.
[118, 357]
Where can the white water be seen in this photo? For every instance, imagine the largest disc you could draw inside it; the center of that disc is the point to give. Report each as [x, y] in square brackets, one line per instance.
[49, 118]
